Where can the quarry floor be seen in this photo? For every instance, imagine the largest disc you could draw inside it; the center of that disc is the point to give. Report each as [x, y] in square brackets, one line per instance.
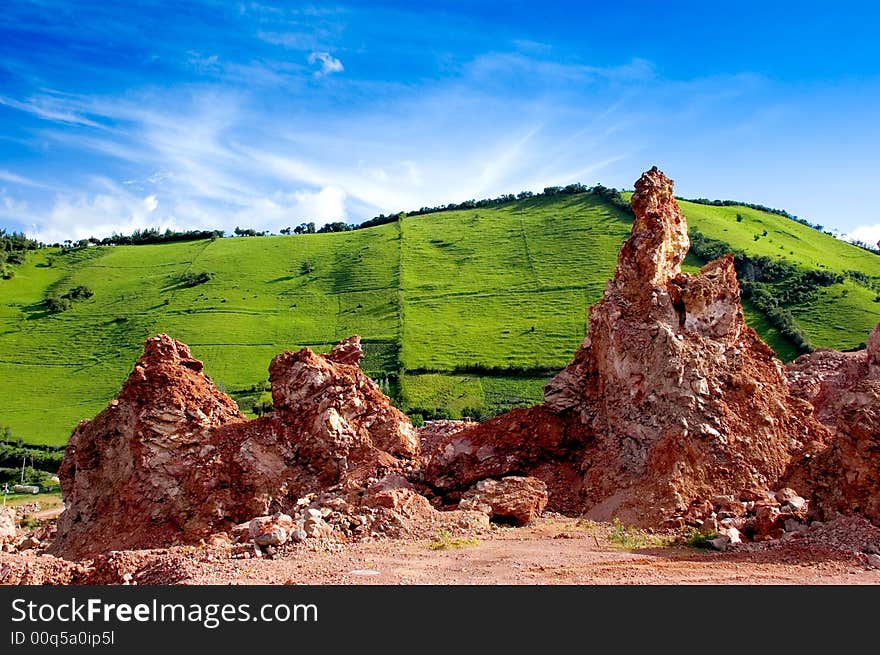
[554, 550]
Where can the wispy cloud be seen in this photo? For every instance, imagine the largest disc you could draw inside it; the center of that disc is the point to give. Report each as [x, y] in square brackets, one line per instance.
[541, 70]
[292, 40]
[47, 108]
[241, 134]
[328, 63]
[20, 180]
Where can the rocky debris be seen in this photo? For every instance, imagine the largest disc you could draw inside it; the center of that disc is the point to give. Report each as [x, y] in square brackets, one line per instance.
[742, 519]
[842, 473]
[515, 499]
[271, 530]
[536, 441]
[348, 352]
[172, 460]
[670, 398]
[28, 569]
[844, 535]
[7, 524]
[434, 432]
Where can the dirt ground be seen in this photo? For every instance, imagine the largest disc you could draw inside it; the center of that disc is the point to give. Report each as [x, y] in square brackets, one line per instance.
[554, 550]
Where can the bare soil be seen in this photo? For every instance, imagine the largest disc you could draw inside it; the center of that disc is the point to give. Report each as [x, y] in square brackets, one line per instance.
[559, 551]
[554, 550]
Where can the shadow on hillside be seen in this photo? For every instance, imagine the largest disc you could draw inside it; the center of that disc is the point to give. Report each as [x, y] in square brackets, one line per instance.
[285, 278]
[35, 311]
[168, 288]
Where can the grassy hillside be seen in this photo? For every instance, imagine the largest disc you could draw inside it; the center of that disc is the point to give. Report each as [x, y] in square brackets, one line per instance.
[845, 313]
[462, 310]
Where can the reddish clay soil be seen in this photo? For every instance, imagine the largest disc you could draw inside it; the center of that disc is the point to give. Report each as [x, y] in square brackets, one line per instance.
[553, 550]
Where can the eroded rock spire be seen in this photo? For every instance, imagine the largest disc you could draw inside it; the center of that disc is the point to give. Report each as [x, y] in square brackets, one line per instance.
[670, 398]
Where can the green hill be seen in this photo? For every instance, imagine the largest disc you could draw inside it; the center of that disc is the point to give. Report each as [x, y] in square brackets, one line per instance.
[459, 310]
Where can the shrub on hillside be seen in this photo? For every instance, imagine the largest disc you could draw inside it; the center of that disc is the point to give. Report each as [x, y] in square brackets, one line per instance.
[56, 304]
[190, 279]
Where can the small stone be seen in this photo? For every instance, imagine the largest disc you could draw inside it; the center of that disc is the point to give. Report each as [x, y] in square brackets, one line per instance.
[874, 561]
[298, 535]
[29, 542]
[720, 543]
[785, 494]
[732, 534]
[317, 528]
[271, 530]
[313, 513]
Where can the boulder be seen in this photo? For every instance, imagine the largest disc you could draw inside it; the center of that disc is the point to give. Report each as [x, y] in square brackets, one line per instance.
[271, 530]
[733, 535]
[317, 528]
[515, 499]
[720, 543]
[769, 521]
[785, 494]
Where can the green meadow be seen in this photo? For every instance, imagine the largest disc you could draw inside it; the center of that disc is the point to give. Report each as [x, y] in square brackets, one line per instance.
[467, 310]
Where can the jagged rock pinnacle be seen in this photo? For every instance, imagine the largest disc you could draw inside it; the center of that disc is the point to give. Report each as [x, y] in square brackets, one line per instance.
[658, 243]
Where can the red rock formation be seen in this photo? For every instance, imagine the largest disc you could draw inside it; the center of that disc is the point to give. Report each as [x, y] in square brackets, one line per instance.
[842, 475]
[172, 459]
[671, 397]
[515, 499]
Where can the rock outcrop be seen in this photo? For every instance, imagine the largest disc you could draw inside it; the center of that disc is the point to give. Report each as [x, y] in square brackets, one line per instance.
[513, 499]
[172, 459]
[670, 398]
[843, 475]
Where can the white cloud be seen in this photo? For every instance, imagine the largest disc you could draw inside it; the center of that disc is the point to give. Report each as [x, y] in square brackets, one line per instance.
[47, 108]
[290, 209]
[115, 210]
[13, 178]
[869, 234]
[291, 40]
[329, 64]
[215, 157]
[326, 205]
[13, 208]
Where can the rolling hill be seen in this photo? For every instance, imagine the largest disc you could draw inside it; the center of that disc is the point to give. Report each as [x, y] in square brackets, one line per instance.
[466, 310]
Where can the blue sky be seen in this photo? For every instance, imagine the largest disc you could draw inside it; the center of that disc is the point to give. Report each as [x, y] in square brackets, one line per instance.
[264, 115]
